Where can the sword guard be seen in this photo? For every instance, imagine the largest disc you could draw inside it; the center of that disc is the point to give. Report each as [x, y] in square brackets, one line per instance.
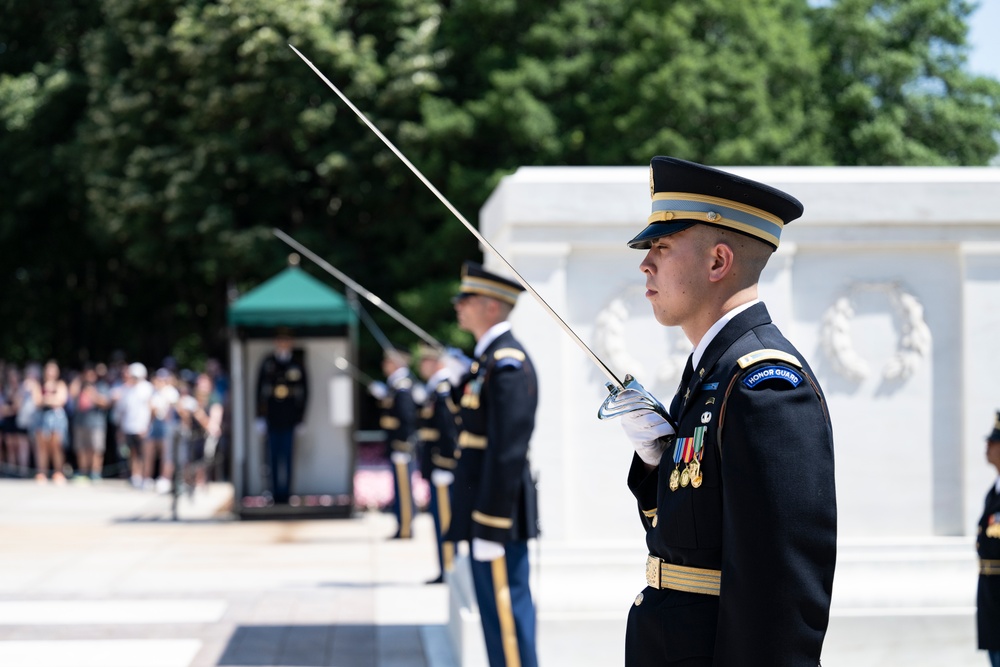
[629, 397]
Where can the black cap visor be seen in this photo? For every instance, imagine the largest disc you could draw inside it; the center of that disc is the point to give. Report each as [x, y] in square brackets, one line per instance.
[644, 239]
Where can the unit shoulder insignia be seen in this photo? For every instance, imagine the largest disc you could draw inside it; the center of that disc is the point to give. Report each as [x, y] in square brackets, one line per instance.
[508, 352]
[508, 357]
[404, 383]
[748, 360]
[760, 375]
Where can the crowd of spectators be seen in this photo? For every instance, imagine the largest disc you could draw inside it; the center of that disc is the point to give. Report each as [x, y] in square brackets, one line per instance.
[113, 421]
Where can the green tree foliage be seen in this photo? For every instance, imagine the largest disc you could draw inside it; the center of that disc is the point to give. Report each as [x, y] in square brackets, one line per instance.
[150, 145]
[896, 88]
[611, 82]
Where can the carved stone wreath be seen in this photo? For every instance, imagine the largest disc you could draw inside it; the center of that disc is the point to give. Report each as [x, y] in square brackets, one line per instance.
[912, 345]
[613, 347]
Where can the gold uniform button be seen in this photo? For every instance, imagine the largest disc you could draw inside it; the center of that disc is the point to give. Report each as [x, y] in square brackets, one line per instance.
[280, 392]
[638, 599]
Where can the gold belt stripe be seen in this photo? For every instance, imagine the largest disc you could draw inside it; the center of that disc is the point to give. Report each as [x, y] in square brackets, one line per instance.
[660, 574]
[471, 440]
[444, 462]
[401, 446]
[988, 566]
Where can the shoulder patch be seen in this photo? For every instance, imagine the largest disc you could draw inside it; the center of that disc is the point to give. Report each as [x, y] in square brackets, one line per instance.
[404, 383]
[768, 355]
[508, 353]
[766, 373]
[508, 362]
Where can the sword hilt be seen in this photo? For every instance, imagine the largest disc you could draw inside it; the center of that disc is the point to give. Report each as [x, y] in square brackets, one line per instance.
[629, 397]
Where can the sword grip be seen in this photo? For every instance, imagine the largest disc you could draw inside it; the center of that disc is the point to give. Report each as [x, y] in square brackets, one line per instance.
[629, 397]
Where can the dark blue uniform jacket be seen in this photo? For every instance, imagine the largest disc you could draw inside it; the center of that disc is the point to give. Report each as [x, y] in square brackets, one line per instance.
[493, 496]
[764, 513]
[438, 430]
[988, 596]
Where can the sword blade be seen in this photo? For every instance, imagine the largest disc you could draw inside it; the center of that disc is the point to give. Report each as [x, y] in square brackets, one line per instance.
[475, 232]
[356, 373]
[372, 298]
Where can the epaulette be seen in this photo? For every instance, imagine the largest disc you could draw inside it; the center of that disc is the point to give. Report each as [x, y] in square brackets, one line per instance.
[748, 360]
[508, 352]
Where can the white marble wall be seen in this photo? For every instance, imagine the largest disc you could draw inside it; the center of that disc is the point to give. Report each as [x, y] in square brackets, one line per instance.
[889, 285]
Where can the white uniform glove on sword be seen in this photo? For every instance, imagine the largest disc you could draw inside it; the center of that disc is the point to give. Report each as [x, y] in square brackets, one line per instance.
[649, 432]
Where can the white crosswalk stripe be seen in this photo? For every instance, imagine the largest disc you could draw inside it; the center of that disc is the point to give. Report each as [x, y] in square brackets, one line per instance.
[99, 652]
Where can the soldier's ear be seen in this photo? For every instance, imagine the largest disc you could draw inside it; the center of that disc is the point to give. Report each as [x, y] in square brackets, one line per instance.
[721, 261]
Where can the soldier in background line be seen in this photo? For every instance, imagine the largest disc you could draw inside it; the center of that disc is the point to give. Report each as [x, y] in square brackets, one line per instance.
[493, 496]
[988, 548]
[437, 435]
[399, 421]
[282, 396]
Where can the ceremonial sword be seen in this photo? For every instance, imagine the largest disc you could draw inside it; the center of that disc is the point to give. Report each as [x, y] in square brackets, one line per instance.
[352, 370]
[373, 298]
[624, 396]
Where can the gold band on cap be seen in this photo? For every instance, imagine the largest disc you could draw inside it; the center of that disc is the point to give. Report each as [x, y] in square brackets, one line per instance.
[716, 211]
[492, 288]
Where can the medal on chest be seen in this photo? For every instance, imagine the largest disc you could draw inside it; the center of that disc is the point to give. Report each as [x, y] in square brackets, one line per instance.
[470, 397]
[688, 451]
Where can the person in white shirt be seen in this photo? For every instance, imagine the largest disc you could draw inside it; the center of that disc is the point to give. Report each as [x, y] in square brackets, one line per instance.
[135, 416]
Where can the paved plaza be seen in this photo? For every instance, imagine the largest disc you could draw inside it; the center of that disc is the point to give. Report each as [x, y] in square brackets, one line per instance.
[101, 576]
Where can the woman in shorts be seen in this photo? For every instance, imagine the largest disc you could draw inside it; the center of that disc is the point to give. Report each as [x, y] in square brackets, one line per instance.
[50, 395]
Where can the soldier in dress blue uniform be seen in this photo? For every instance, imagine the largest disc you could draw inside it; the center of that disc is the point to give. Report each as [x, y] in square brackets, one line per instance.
[736, 488]
[438, 434]
[282, 394]
[399, 421]
[988, 548]
[493, 496]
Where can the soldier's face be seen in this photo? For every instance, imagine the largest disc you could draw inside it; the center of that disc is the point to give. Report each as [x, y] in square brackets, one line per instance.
[427, 367]
[471, 313]
[993, 453]
[675, 269]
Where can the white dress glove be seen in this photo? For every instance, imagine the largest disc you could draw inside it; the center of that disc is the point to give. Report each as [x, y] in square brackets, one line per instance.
[400, 458]
[458, 365]
[260, 425]
[649, 434]
[378, 390]
[484, 550]
[442, 477]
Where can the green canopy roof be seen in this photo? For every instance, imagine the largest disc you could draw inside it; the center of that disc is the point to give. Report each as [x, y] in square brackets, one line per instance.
[292, 298]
